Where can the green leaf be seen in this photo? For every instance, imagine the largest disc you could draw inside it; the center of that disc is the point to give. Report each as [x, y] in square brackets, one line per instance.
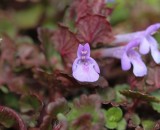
[114, 114]
[135, 119]
[122, 124]
[7, 26]
[60, 116]
[11, 100]
[148, 124]
[111, 125]
[29, 17]
[30, 103]
[4, 89]
[119, 96]
[156, 106]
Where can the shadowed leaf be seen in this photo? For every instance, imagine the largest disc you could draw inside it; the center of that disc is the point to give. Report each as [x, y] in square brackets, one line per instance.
[30, 103]
[80, 8]
[139, 95]
[102, 82]
[53, 109]
[153, 76]
[94, 29]
[10, 118]
[66, 44]
[59, 106]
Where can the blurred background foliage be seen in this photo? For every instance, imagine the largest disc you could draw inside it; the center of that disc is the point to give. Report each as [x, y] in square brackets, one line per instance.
[21, 22]
[24, 16]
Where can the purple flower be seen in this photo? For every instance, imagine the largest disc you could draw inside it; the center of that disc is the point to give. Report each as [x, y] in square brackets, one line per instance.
[148, 42]
[131, 56]
[85, 68]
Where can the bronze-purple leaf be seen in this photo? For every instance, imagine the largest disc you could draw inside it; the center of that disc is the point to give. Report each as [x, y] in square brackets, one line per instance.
[66, 44]
[94, 29]
[102, 82]
[59, 106]
[10, 118]
[80, 8]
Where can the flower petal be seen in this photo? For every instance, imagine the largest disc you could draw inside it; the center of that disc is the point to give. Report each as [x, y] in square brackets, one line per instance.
[139, 68]
[80, 48]
[152, 29]
[155, 54]
[125, 62]
[154, 49]
[75, 63]
[85, 73]
[144, 46]
[95, 65]
[87, 48]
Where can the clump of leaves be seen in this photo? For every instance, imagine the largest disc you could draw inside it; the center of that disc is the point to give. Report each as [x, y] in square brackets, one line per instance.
[85, 113]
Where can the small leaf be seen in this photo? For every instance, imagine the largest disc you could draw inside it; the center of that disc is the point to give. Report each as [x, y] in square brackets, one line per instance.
[10, 118]
[119, 96]
[111, 125]
[148, 124]
[114, 114]
[59, 106]
[30, 103]
[155, 105]
[135, 120]
[140, 96]
[122, 124]
[94, 29]
[66, 44]
[44, 35]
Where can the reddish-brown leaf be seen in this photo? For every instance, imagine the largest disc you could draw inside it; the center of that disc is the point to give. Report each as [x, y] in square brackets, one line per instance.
[94, 29]
[103, 83]
[66, 43]
[10, 118]
[80, 8]
[8, 49]
[30, 55]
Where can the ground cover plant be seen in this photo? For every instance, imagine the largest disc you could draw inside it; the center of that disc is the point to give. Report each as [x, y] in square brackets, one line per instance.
[79, 65]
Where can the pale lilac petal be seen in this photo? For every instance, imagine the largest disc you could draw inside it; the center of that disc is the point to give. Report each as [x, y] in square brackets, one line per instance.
[144, 46]
[80, 48]
[152, 29]
[154, 49]
[139, 68]
[87, 48]
[152, 41]
[75, 64]
[155, 54]
[125, 62]
[85, 73]
[84, 68]
[95, 65]
[133, 43]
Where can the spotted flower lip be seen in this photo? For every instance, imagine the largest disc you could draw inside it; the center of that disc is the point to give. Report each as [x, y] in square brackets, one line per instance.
[85, 68]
